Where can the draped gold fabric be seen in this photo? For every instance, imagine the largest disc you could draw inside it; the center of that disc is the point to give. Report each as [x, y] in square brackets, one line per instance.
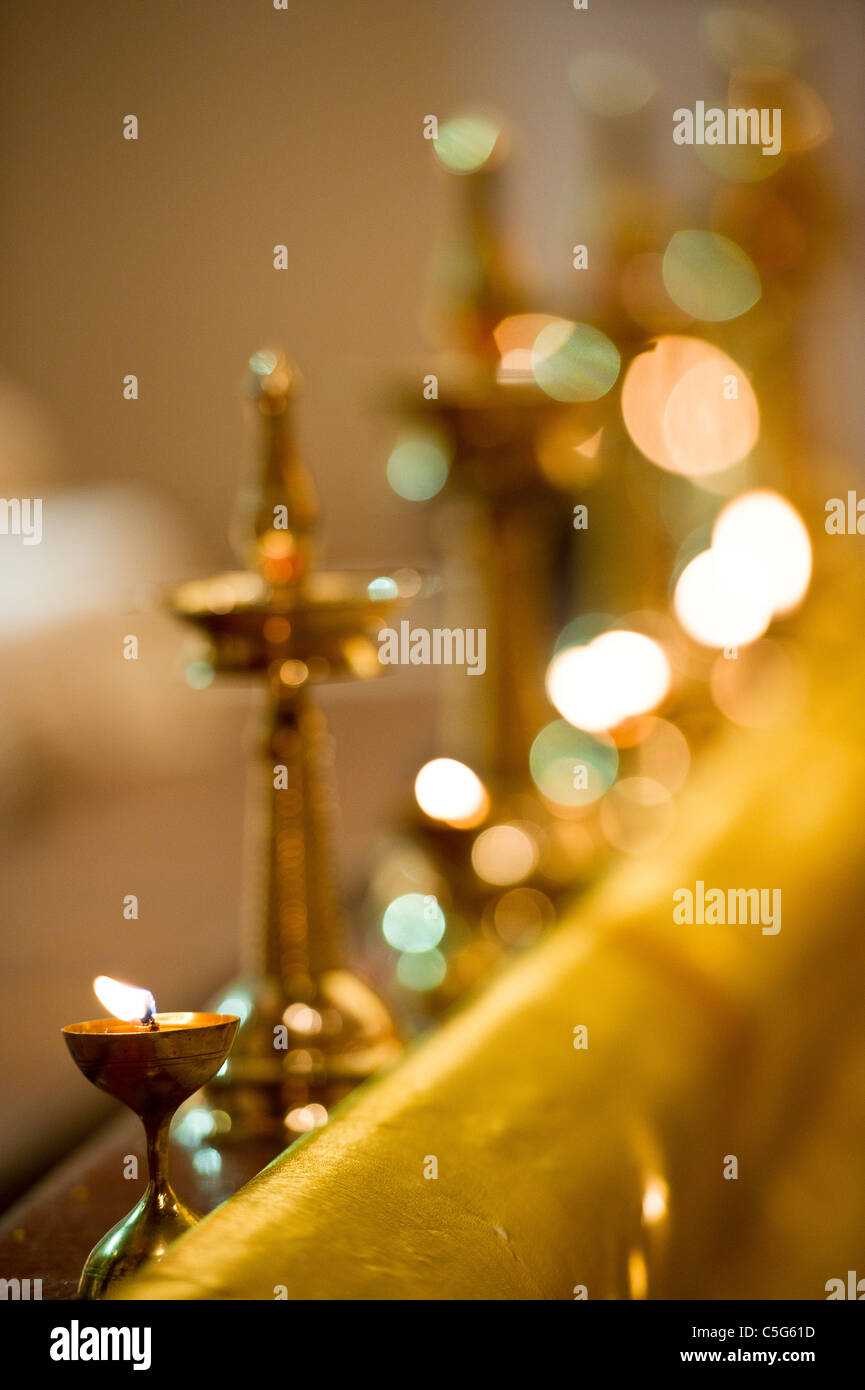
[604, 1167]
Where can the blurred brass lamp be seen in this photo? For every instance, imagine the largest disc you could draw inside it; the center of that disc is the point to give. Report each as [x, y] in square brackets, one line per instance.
[152, 1064]
[518, 447]
[310, 1028]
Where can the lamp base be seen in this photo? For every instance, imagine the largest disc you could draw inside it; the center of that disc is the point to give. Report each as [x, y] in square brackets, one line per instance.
[144, 1234]
[300, 1048]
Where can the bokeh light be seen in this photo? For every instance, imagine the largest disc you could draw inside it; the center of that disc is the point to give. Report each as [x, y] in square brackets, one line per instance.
[448, 790]
[235, 1004]
[709, 277]
[805, 119]
[264, 362]
[615, 676]
[706, 430]
[689, 407]
[413, 922]
[465, 143]
[574, 361]
[193, 1125]
[766, 528]
[301, 1018]
[655, 1198]
[519, 916]
[571, 767]
[421, 970]
[515, 338]
[418, 466]
[638, 1275]
[763, 688]
[382, 588]
[721, 600]
[504, 854]
[207, 1161]
[610, 84]
[199, 674]
[306, 1117]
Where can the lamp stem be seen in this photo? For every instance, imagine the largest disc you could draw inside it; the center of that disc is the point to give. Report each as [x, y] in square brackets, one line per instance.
[156, 1129]
[302, 933]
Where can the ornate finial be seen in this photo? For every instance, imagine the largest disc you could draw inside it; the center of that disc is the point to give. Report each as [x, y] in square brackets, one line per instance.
[277, 517]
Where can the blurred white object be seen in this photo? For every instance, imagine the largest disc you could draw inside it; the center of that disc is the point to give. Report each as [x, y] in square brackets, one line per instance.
[71, 703]
[103, 549]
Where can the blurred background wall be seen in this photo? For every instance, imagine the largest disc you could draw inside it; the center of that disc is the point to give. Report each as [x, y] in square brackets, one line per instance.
[154, 257]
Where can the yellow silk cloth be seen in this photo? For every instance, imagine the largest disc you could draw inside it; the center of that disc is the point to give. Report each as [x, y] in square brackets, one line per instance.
[603, 1169]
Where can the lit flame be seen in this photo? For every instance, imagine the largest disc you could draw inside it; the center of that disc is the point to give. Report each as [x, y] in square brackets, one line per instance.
[126, 1002]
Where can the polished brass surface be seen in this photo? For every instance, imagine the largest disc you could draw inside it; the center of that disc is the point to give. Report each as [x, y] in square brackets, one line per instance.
[152, 1070]
[310, 1029]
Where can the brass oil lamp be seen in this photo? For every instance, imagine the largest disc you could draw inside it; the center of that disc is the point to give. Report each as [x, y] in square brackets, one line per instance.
[518, 456]
[151, 1062]
[310, 1029]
